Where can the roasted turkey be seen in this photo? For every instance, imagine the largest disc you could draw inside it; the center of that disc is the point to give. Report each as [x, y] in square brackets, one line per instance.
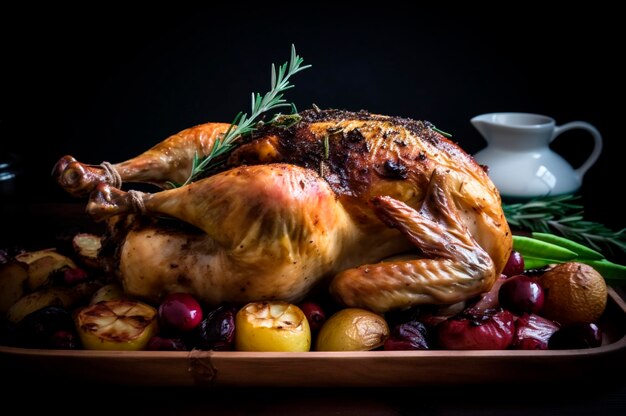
[384, 212]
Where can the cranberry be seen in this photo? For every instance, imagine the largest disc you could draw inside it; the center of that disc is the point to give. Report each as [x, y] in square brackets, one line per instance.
[314, 314]
[74, 276]
[514, 265]
[180, 311]
[521, 294]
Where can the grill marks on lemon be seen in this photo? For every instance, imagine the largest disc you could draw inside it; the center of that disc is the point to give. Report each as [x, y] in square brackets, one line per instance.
[117, 325]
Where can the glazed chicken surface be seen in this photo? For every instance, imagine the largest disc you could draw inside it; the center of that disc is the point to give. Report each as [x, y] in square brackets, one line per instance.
[385, 211]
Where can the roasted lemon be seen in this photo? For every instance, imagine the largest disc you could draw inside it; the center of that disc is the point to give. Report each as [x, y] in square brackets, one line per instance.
[116, 325]
[352, 329]
[272, 326]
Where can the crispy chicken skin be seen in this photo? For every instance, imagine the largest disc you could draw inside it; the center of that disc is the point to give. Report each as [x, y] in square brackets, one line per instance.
[327, 201]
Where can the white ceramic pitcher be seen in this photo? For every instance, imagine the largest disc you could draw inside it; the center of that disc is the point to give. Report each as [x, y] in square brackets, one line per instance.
[521, 163]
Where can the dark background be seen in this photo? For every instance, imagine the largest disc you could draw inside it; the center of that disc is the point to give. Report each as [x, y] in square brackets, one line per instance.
[108, 84]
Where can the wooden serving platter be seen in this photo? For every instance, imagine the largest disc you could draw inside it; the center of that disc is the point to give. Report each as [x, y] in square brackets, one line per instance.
[330, 369]
[315, 369]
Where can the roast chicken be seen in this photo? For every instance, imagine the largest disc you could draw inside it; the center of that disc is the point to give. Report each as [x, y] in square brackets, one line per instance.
[383, 212]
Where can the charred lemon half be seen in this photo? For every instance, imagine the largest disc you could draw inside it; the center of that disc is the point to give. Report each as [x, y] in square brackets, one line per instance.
[125, 325]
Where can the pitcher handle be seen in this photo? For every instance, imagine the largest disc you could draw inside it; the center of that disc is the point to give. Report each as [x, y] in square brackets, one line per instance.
[597, 143]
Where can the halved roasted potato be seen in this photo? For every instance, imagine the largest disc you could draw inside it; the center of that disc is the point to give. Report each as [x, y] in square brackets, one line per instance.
[42, 264]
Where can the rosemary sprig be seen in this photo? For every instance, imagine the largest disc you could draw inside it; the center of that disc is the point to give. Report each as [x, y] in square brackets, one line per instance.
[243, 125]
[563, 215]
[326, 146]
[443, 133]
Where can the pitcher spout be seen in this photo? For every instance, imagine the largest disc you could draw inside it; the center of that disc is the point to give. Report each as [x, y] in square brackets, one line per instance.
[483, 125]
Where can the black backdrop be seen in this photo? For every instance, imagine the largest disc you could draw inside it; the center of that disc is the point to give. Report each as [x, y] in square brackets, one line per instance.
[107, 84]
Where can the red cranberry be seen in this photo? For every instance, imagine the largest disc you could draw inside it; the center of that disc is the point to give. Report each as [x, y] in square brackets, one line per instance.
[521, 294]
[514, 265]
[180, 311]
[74, 276]
[314, 314]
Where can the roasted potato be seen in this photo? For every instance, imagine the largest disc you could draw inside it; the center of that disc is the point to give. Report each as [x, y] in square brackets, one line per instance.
[64, 297]
[37, 300]
[42, 264]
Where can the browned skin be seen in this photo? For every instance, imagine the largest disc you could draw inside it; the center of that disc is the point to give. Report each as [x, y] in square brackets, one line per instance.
[327, 198]
[169, 160]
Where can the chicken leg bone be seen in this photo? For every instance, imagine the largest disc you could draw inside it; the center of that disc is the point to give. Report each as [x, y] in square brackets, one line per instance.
[168, 161]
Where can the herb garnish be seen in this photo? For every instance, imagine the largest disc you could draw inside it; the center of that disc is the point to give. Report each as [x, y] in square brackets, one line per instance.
[565, 216]
[443, 133]
[243, 125]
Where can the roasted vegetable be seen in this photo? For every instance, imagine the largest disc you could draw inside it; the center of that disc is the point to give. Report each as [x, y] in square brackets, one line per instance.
[42, 265]
[532, 332]
[58, 297]
[574, 293]
[64, 297]
[491, 329]
[87, 247]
